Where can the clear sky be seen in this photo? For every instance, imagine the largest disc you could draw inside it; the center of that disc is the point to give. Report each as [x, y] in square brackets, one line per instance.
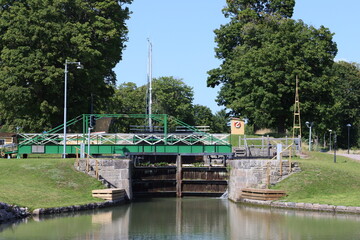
[181, 32]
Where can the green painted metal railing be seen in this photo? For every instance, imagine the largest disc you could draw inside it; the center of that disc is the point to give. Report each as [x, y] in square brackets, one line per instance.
[165, 139]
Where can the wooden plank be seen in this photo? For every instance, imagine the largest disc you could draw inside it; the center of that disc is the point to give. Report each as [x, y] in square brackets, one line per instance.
[109, 194]
[109, 190]
[256, 190]
[262, 194]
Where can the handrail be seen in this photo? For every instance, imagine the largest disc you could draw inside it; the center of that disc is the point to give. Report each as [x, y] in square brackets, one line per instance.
[87, 168]
[268, 165]
[52, 131]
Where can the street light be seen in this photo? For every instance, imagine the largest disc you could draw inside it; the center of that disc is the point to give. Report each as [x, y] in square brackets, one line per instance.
[309, 125]
[330, 140]
[335, 142]
[348, 126]
[78, 66]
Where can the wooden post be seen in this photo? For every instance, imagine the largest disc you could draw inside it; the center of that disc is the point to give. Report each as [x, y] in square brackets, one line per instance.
[178, 176]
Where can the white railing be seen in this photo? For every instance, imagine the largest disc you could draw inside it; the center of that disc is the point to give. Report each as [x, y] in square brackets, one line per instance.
[125, 139]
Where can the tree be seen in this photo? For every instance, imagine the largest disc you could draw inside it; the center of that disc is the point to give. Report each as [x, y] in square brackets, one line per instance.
[127, 99]
[263, 51]
[220, 121]
[36, 37]
[346, 94]
[202, 115]
[170, 96]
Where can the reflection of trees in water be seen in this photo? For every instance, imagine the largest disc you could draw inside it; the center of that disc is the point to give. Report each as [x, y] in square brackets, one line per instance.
[199, 218]
[176, 216]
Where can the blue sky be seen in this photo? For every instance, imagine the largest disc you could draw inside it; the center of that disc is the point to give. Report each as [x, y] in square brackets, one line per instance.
[182, 36]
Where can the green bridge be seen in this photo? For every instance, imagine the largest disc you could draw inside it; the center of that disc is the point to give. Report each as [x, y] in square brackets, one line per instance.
[189, 141]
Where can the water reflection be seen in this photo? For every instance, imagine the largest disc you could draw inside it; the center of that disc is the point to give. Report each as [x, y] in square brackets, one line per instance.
[187, 218]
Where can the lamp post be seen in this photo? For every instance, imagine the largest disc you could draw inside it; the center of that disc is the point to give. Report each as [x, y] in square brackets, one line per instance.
[79, 66]
[330, 140]
[348, 126]
[309, 125]
[335, 142]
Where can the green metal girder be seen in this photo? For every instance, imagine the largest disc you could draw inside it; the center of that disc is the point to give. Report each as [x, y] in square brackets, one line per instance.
[124, 149]
[26, 147]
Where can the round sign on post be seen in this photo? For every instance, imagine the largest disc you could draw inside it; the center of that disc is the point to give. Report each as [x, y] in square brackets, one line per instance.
[237, 124]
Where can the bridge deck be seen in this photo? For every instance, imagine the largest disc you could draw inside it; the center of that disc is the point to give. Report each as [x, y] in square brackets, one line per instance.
[123, 144]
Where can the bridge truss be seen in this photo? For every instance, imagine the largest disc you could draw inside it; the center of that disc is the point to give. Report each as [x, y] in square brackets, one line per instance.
[194, 141]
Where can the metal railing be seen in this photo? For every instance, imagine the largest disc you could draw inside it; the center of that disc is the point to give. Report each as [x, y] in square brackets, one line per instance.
[125, 139]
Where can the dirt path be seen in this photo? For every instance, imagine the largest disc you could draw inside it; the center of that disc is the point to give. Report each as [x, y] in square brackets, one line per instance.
[352, 156]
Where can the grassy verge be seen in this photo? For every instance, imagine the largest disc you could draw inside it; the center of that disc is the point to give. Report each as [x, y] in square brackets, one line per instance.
[325, 182]
[43, 183]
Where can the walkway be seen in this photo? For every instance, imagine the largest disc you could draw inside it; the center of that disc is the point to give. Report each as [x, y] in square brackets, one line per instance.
[352, 156]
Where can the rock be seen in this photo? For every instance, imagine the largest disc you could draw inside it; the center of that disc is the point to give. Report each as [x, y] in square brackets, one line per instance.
[38, 211]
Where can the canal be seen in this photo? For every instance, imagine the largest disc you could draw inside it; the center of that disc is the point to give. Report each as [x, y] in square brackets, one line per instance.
[187, 218]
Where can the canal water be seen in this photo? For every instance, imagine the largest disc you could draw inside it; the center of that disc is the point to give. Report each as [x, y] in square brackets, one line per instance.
[187, 218]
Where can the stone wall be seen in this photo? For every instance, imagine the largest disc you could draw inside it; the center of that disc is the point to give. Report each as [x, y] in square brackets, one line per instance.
[254, 174]
[114, 173]
[10, 212]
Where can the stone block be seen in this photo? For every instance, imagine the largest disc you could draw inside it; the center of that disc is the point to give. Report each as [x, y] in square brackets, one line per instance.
[341, 209]
[326, 207]
[290, 204]
[300, 205]
[121, 164]
[308, 206]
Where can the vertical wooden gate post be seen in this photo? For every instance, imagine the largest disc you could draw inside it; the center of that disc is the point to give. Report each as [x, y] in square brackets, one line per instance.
[178, 176]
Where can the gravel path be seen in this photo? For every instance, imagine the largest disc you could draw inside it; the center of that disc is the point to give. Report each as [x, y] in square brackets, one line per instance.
[352, 156]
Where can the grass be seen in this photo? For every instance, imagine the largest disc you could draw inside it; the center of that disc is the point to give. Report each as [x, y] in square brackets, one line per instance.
[323, 181]
[43, 183]
[234, 140]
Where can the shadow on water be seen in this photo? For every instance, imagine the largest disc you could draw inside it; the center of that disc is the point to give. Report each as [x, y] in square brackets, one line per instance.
[186, 218]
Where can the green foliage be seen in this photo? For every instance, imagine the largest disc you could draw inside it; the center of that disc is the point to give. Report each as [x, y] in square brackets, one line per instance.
[202, 115]
[250, 9]
[198, 164]
[249, 129]
[346, 94]
[128, 98]
[219, 123]
[41, 183]
[170, 96]
[263, 51]
[37, 37]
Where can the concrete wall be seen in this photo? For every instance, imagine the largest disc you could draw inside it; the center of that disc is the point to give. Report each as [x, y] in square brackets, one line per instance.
[114, 173]
[253, 174]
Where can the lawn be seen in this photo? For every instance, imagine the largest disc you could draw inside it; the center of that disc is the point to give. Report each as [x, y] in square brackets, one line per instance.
[323, 181]
[43, 183]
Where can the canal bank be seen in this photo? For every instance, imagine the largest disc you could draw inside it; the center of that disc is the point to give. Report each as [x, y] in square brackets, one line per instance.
[22, 170]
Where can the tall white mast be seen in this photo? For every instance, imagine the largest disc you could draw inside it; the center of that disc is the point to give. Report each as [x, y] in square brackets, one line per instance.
[150, 85]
